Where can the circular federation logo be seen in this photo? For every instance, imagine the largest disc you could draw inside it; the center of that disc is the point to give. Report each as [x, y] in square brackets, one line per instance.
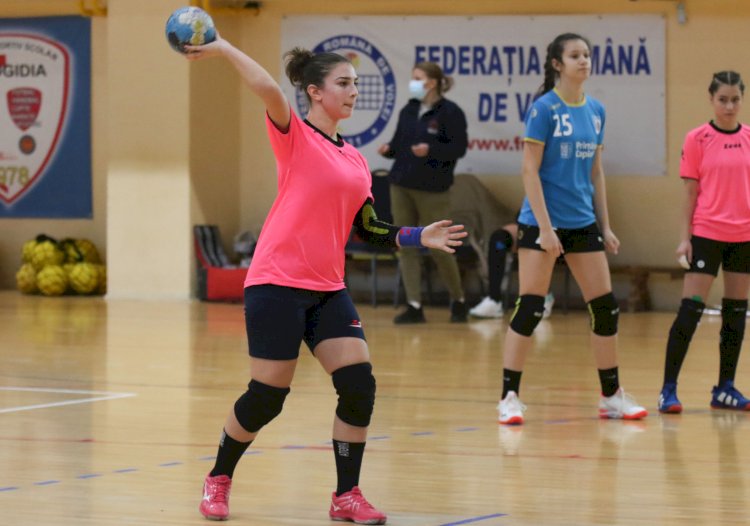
[27, 144]
[377, 88]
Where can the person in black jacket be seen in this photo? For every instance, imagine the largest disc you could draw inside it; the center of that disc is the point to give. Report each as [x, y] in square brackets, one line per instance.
[430, 138]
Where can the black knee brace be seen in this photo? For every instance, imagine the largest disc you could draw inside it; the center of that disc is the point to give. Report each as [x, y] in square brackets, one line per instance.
[604, 313]
[355, 386]
[528, 313]
[259, 405]
[732, 322]
[687, 320]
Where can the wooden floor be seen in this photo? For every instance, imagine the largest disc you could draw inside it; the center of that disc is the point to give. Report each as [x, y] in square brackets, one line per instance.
[110, 412]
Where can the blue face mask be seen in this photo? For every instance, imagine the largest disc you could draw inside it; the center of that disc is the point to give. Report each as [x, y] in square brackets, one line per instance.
[417, 89]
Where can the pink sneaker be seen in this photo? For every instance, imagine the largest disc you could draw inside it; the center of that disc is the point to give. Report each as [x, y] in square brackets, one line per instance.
[352, 506]
[215, 503]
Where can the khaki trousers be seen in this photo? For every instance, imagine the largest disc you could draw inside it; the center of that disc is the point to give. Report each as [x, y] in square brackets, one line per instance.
[419, 208]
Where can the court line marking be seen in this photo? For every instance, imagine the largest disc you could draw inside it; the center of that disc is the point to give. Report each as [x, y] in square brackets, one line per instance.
[102, 395]
[476, 519]
[88, 476]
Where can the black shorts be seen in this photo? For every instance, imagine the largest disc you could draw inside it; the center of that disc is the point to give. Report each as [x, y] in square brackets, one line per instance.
[278, 319]
[586, 239]
[708, 254]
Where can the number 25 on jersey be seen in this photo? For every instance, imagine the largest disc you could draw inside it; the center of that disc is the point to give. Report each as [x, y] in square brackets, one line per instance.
[563, 127]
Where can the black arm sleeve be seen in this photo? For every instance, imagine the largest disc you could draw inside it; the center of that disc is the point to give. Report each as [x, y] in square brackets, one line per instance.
[373, 230]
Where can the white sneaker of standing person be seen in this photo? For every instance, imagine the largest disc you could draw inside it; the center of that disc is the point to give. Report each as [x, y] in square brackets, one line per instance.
[510, 410]
[487, 308]
[549, 302]
[620, 405]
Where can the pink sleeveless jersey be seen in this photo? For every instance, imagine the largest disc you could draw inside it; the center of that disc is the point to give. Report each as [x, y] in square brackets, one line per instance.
[720, 162]
[321, 186]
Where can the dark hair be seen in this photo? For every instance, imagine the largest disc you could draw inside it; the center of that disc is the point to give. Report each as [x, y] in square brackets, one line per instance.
[726, 78]
[433, 71]
[303, 67]
[555, 51]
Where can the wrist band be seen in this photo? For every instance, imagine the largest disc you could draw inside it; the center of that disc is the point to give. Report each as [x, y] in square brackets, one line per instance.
[410, 236]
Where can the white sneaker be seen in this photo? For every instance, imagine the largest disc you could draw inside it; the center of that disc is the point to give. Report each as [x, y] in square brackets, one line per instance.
[620, 405]
[549, 302]
[511, 410]
[487, 308]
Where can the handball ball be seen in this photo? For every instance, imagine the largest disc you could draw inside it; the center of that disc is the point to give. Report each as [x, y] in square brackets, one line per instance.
[46, 253]
[77, 250]
[26, 279]
[83, 277]
[190, 26]
[89, 251]
[52, 280]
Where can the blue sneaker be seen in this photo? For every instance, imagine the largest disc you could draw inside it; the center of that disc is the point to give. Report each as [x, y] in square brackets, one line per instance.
[726, 396]
[668, 401]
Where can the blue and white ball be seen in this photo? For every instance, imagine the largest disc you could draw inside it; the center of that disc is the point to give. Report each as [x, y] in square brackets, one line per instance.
[190, 26]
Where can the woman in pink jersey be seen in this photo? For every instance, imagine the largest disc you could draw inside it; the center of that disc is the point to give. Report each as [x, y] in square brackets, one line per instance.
[715, 168]
[294, 289]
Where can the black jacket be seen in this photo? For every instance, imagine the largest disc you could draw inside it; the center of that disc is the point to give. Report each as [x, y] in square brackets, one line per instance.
[444, 128]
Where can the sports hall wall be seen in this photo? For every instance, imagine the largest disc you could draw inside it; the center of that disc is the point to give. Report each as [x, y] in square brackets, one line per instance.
[175, 144]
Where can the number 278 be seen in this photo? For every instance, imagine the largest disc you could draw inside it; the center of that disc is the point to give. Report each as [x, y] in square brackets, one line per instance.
[11, 175]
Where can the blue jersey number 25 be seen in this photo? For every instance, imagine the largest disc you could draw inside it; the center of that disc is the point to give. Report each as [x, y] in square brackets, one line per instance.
[563, 127]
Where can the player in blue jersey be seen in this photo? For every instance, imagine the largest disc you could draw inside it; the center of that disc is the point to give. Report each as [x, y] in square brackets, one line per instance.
[565, 214]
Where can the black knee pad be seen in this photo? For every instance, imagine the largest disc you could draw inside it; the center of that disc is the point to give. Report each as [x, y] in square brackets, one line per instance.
[527, 314]
[732, 321]
[355, 386]
[687, 320]
[503, 237]
[604, 312]
[259, 405]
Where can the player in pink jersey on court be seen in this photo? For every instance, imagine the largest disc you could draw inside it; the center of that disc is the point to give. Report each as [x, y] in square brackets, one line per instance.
[294, 289]
[715, 168]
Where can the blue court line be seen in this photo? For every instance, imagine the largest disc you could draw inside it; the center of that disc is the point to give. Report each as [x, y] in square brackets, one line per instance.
[84, 476]
[46, 482]
[475, 519]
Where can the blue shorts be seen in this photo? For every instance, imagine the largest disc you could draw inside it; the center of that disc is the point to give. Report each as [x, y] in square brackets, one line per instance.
[708, 254]
[278, 319]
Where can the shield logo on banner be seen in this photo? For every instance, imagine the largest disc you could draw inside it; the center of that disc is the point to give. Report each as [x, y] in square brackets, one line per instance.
[35, 83]
[23, 105]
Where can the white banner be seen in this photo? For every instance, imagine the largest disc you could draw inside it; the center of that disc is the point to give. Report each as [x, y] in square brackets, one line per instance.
[497, 63]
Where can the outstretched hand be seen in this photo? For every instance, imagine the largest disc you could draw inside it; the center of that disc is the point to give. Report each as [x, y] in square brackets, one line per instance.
[443, 235]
